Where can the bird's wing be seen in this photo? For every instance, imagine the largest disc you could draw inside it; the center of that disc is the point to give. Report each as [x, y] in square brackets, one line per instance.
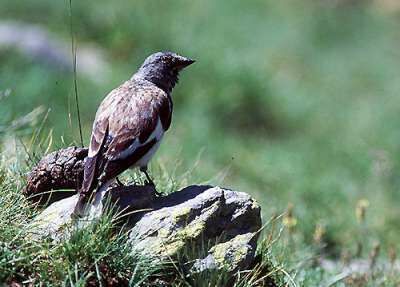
[98, 143]
[124, 130]
[136, 121]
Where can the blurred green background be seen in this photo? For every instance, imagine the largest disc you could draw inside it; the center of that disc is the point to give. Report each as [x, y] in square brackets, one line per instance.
[291, 101]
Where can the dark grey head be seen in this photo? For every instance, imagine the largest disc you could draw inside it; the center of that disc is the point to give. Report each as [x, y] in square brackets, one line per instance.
[163, 69]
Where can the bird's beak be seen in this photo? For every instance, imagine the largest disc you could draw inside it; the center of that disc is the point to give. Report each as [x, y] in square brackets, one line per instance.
[184, 62]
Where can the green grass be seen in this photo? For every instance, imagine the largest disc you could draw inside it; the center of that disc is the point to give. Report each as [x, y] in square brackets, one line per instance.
[99, 253]
[290, 101]
[96, 255]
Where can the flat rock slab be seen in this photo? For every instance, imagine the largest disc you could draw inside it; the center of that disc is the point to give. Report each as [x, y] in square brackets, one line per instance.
[227, 221]
[56, 221]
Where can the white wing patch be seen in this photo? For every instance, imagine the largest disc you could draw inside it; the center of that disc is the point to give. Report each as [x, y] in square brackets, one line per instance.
[156, 134]
[91, 153]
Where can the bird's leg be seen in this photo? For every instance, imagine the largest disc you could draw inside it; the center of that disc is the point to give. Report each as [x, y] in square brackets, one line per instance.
[149, 180]
[119, 182]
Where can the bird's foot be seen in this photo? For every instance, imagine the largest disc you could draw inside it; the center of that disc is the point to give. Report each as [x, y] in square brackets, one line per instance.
[149, 182]
[157, 192]
[153, 186]
[119, 182]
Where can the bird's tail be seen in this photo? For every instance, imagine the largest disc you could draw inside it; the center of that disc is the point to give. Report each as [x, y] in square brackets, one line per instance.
[89, 184]
[80, 207]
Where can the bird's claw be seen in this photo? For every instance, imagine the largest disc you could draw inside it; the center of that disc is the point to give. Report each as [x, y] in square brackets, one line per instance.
[148, 182]
[151, 184]
[119, 182]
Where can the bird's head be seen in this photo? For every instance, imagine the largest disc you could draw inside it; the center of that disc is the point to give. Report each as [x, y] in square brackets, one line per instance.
[163, 69]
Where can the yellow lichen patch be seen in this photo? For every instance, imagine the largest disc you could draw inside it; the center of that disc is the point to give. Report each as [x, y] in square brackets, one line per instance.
[167, 247]
[229, 254]
[192, 230]
[175, 242]
[163, 233]
[255, 205]
[180, 213]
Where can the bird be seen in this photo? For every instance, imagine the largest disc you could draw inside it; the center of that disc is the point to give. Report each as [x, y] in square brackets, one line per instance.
[130, 123]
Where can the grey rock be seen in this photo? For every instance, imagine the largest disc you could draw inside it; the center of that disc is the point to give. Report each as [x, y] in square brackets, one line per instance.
[39, 44]
[56, 220]
[358, 267]
[233, 255]
[227, 221]
[193, 215]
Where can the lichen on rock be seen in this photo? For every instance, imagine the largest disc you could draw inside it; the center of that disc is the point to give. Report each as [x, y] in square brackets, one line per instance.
[204, 216]
[232, 255]
[225, 220]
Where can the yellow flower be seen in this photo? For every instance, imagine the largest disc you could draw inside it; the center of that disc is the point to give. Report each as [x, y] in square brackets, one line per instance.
[290, 220]
[361, 209]
[319, 232]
